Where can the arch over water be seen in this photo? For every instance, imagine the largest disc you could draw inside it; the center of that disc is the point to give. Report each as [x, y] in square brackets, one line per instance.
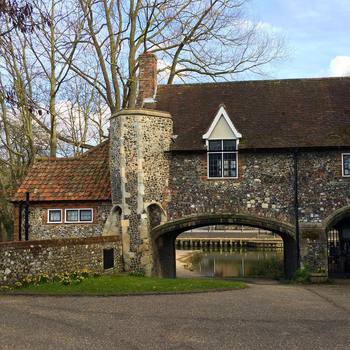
[163, 238]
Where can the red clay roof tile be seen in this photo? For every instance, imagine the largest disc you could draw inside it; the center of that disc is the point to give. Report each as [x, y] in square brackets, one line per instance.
[268, 114]
[81, 178]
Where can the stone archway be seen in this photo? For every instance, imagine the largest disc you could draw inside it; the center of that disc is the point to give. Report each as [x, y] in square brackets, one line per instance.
[156, 215]
[337, 216]
[337, 228]
[112, 225]
[163, 238]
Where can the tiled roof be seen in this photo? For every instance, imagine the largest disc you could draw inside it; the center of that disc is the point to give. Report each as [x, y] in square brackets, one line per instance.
[268, 114]
[80, 178]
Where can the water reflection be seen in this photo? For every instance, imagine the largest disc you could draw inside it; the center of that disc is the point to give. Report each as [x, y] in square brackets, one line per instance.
[238, 263]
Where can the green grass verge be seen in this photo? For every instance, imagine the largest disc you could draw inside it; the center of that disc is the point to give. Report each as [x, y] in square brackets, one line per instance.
[115, 284]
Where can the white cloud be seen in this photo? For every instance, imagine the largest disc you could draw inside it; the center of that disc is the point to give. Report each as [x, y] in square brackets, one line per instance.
[340, 66]
[268, 27]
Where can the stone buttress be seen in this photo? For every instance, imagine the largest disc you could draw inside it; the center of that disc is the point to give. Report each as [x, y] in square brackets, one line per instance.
[139, 163]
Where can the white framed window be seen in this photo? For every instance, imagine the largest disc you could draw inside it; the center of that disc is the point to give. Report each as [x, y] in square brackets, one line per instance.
[222, 139]
[345, 164]
[54, 216]
[79, 215]
[222, 159]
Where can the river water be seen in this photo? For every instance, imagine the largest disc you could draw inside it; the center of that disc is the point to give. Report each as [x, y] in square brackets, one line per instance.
[244, 263]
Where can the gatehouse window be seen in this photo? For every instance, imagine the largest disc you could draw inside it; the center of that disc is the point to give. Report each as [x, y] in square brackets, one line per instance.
[54, 216]
[346, 164]
[222, 139]
[78, 215]
[85, 215]
[222, 159]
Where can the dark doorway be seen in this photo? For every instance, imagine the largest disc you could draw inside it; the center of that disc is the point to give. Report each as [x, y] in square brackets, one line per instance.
[108, 258]
[339, 249]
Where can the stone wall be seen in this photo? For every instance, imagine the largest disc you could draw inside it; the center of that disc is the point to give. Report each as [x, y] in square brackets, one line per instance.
[264, 187]
[140, 176]
[144, 173]
[19, 259]
[41, 229]
[323, 189]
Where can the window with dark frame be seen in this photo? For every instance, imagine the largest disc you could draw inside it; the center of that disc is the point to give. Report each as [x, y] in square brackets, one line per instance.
[222, 158]
[85, 215]
[346, 164]
[55, 215]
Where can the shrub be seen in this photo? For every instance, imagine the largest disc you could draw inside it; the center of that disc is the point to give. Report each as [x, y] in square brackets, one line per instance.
[5, 288]
[302, 275]
[64, 278]
[18, 285]
[137, 273]
[270, 268]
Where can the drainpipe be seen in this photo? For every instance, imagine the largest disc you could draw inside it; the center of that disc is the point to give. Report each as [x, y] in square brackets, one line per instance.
[20, 211]
[296, 202]
[26, 218]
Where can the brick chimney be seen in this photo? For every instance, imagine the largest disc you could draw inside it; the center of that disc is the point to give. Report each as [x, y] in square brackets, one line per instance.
[147, 78]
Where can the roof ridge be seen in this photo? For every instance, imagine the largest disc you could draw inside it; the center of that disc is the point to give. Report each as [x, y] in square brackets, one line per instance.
[255, 81]
[48, 158]
[77, 157]
[97, 147]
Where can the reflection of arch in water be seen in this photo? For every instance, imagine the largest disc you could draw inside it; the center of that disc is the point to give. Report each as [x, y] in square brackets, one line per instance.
[113, 223]
[164, 235]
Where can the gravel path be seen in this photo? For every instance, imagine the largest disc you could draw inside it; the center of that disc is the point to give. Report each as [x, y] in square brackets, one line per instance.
[263, 316]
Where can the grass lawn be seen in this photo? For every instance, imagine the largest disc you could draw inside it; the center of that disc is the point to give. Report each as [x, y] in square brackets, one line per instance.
[119, 284]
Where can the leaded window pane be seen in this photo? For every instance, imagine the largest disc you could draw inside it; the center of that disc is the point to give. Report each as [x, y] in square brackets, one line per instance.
[346, 164]
[86, 215]
[215, 164]
[72, 215]
[229, 145]
[230, 164]
[55, 216]
[215, 145]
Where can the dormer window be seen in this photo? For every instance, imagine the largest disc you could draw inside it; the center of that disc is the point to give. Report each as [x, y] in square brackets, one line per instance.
[222, 141]
[222, 158]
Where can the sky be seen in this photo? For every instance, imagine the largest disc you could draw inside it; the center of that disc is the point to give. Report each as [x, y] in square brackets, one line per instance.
[316, 33]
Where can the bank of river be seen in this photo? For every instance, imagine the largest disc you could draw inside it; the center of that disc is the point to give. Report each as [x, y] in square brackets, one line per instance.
[245, 263]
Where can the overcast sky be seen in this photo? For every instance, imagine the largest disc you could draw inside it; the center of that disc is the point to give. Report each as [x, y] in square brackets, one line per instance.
[317, 34]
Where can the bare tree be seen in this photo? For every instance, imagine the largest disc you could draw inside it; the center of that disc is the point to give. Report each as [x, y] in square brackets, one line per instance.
[19, 15]
[84, 117]
[61, 17]
[194, 39]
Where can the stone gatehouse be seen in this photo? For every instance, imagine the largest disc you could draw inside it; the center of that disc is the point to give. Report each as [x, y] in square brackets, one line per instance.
[267, 154]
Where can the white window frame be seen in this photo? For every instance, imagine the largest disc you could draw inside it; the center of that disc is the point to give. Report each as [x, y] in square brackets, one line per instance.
[79, 221]
[222, 113]
[48, 216]
[222, 152]
[342, 164]
[236, 136]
